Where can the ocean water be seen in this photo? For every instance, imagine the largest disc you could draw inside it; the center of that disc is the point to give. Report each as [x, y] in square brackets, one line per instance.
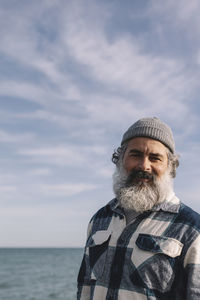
[39, 274]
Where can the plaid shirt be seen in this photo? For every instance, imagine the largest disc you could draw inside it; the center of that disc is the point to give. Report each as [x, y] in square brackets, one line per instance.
[156, 256]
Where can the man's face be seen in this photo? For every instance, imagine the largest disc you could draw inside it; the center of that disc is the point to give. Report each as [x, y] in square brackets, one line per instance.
[145, 154]
[142, 178]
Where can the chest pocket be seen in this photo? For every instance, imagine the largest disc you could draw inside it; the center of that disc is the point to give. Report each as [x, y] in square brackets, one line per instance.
[160, 258]
[98, 247]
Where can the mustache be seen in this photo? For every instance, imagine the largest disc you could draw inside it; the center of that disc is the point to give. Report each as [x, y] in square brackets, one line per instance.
[139, 174]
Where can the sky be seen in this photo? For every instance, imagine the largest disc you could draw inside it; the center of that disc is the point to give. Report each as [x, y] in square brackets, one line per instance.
[74, 76]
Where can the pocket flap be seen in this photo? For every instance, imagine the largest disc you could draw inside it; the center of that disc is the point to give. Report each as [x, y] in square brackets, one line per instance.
[159, 244]
[99, 238]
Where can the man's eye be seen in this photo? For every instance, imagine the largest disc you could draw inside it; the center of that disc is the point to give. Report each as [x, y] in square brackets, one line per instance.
[155, 158]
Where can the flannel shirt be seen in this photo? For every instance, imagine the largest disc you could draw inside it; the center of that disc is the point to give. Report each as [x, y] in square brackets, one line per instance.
[156, 256]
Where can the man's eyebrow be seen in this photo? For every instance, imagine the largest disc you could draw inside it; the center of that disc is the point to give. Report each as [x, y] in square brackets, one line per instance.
[136, 151]
[156, 154]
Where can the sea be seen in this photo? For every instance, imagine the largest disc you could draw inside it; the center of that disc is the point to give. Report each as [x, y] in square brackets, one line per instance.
[39, 273]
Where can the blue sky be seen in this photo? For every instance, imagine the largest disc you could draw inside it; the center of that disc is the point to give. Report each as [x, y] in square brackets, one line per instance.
[74, 76]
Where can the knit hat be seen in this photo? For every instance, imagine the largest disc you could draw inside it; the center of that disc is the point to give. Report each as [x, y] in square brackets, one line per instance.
[152, 128]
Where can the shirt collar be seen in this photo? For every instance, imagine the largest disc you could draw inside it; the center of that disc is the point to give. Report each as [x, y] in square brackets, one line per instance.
[171, 204]
[114, 206]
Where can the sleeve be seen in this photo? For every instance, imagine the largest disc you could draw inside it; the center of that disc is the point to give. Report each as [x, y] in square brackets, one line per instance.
[192, 269]
[83, 280]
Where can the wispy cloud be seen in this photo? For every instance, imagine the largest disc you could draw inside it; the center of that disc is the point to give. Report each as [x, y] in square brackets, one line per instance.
[65, 190]
[40, 172]
[123, 65]
[184, 11]
[7, 189]
[6, 137]
[65, 154]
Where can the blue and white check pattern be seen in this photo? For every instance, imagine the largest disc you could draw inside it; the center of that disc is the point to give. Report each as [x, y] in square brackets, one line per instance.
[156, 256]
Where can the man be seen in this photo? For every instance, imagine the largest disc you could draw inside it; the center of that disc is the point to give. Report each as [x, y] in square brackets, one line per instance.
[145, 243]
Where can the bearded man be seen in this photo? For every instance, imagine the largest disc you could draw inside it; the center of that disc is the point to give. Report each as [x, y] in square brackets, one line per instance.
[145, 243]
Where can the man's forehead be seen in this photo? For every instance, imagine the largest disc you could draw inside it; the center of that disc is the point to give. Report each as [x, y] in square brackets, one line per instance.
[144, 144]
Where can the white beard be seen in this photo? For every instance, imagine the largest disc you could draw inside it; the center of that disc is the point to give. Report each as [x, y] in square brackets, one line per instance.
[141, 197]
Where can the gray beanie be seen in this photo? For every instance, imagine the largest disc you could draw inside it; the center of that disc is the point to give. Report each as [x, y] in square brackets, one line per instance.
[152, 128]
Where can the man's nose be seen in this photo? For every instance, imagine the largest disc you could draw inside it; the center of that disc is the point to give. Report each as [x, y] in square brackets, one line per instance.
[144, 164]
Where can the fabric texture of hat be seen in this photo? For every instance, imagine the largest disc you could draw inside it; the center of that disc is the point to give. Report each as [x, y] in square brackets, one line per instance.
[152, 128]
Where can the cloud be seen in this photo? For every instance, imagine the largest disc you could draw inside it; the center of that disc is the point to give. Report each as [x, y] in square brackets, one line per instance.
[184, 11]
[6, 137]
[65, 190]
[64, 155]
[179, 23]
[122, 65]
[7, 189]
[31, 52]
[106, 172]
[23, 90]
[147, 83]
[40, 172]
[40, 211]
[7, 192]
